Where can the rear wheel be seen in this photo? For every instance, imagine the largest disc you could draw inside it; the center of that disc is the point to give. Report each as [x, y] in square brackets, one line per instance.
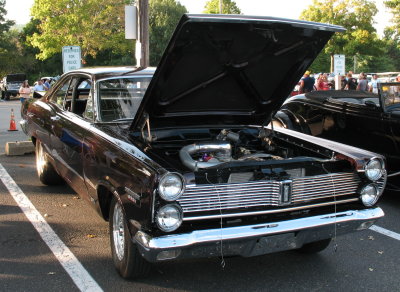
[127, 259]
[45, 170]
[314, 247]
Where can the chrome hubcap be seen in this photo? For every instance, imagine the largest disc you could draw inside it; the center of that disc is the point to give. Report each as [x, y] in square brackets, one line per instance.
[118, 231]
[40, 160]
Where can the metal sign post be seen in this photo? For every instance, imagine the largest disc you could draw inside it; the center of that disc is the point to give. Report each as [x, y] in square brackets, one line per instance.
[71, 56]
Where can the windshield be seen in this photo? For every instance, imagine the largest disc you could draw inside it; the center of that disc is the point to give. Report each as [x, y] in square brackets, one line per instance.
[119, 98]
[390, 93]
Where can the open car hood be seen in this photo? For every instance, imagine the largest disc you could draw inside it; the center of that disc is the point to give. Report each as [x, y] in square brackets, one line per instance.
[229, 70]
[19, 77]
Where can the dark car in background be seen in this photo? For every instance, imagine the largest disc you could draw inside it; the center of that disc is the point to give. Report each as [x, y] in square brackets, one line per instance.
[11, 84]
[362, 119]
[180, 161]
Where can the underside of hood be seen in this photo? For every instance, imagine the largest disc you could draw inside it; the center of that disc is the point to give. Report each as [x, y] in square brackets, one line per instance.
[229, 70]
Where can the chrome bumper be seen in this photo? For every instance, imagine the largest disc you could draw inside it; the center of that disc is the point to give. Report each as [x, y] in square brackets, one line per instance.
[252, 240]
[23, 123]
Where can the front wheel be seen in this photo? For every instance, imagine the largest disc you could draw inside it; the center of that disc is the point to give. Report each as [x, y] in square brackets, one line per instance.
[315, 247]
[127, 259]
[45, 170]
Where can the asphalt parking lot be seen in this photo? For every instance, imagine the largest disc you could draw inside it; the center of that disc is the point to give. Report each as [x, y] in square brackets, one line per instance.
[47, 232]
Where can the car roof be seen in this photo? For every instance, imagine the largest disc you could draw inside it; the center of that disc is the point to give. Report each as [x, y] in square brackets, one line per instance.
[112, 71]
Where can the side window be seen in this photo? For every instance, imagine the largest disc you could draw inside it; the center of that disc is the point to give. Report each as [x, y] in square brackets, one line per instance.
[88, 113]
[58, 97]
[69, 96]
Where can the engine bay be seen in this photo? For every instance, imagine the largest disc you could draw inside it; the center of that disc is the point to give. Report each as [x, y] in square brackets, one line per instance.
[242, 155]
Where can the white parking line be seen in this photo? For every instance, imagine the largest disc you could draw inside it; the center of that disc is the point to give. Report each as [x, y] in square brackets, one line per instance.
[385, 232]
[67, 259]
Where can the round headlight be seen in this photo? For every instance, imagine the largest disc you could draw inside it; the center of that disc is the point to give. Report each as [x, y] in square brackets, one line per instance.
[171, 186]
[369, 195]
[374, 169]
[169, 218]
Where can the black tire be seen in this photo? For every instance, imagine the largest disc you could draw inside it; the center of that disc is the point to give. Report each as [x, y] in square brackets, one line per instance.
[315, 247]
[127, 259]
[45, 170]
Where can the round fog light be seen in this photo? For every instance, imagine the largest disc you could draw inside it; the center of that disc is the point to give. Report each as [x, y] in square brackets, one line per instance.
[374, 169]
[169, 218]
[369, 195]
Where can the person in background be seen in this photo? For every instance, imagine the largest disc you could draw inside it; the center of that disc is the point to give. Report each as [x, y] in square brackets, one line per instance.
[306, 83]
[24, 91]
[46, 83]
[373, 86]
[322, 83]
[40, 86]
[363, 83]
[350, 82]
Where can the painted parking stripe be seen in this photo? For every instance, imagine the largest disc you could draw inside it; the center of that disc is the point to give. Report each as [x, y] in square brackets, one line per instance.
[385, 232]
[67, 259]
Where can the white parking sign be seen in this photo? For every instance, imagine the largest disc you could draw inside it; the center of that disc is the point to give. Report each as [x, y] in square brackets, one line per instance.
[71, 58]
[339, 64]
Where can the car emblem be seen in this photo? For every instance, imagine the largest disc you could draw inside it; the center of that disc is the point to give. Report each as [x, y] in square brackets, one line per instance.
[285, 192]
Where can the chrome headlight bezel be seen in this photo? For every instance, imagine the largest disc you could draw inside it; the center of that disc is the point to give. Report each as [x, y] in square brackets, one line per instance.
[371, 173]
[162, 185]
[367, 198]
[161, 215]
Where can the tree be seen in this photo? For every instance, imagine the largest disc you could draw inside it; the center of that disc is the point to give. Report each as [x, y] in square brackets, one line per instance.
[35, 68]
[228, 7]
[5, 25]
[92, 24]
[394, 6]
[164, 15]
[356, 16]
[6, 47]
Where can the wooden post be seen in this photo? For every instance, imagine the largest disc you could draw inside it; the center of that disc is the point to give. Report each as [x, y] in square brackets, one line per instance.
[142, 44]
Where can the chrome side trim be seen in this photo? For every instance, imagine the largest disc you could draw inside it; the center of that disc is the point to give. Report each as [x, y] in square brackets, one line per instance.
[264, 212]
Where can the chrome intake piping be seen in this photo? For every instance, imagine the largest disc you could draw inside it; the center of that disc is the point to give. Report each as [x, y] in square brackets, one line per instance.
[223, 148]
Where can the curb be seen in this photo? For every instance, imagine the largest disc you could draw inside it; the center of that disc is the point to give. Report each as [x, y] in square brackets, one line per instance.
[19, 148]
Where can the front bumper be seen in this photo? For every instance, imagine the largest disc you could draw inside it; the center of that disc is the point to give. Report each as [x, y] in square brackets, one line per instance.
[23, 124]
[252, 240]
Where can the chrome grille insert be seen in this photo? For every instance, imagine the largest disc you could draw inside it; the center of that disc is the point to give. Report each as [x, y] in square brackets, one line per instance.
[205, 198]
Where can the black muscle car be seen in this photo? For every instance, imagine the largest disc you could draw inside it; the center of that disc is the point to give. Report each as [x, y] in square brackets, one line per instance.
[179, 159]
[362, 119]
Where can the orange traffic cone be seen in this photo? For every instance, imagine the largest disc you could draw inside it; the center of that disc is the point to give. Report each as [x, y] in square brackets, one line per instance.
[13, 127]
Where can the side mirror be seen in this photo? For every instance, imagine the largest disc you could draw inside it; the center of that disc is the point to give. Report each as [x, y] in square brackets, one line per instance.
[370, 103]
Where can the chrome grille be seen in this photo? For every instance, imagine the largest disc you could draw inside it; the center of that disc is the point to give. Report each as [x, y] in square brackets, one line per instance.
[203, 198]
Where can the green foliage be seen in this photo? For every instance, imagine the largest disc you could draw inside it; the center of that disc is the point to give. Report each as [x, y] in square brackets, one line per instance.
[356, 16]
[5, 25]
[33, 67]
[94, 25]
[164, 15]
[394, 6]
[228, 7]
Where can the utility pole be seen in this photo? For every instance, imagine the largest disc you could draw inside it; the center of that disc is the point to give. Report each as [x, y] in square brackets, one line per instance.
[142, 43]
[220, 6]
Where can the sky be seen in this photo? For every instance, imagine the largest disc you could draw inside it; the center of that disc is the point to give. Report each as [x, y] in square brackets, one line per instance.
[19, 10]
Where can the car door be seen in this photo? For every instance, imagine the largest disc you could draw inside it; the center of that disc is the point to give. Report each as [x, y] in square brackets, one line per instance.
[390, 100]
[69, 130]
